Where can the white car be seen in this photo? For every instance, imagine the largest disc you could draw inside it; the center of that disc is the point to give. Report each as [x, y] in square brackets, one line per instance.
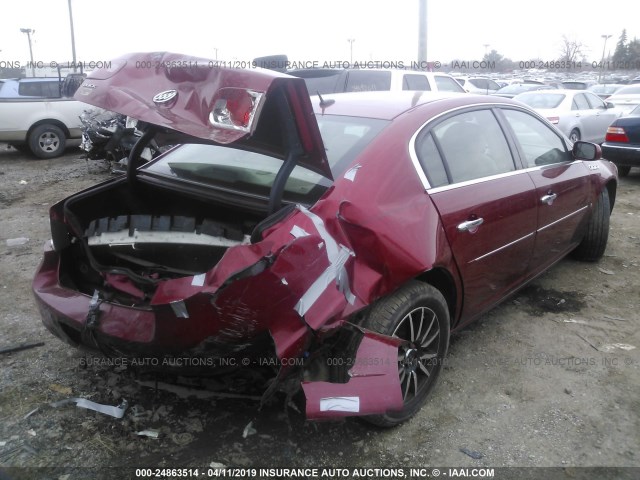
[579, 114]
[626, 98]
[478, 85]
[331, 80]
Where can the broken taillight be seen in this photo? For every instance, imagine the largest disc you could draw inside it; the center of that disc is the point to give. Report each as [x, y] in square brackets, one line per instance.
[235, 108]
[616, 134]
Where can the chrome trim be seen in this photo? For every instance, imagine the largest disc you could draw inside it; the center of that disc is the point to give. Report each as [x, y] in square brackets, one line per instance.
[475, 181]
[416, 163]
[548, 199]
[563, 218]
[551, 165]
[616, 147]
[502, 247]
[494, 177]
[470, 224]
[412, 142]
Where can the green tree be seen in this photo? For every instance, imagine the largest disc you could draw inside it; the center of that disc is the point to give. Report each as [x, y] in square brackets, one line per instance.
[622, 49]
[633, 52]
[501, 64]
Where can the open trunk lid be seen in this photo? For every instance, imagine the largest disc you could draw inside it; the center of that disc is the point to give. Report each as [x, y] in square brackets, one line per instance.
[199, 102]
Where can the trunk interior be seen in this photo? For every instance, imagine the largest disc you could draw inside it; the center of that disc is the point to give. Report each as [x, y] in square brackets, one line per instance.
[134, 238]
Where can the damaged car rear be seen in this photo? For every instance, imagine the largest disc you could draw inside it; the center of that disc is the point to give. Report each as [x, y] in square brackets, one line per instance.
[336, 239]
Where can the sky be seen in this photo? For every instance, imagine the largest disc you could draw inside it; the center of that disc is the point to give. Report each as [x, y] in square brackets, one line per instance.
[309, 30]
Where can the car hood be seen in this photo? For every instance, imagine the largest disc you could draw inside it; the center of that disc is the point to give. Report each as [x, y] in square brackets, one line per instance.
[199, 102]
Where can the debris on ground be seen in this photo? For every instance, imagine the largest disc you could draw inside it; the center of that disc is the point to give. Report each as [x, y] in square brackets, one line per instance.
[15, 242]
[473, 454]
[116, 412]
[249, 430]
[23, 346]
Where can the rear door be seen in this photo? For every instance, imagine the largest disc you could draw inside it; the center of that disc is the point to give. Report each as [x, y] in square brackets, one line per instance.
[562, 186]
[602, 116]
[488, 208]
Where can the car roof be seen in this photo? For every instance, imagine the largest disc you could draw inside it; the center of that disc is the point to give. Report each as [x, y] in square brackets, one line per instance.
[629, 89]
[308, 72]
[563, 91]
[387, 105]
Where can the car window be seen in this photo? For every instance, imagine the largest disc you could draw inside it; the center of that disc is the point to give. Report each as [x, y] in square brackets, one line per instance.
[594, 100]
[473, 146]
[39, 89]
[415, 82]
[249, 172]
[484, 84]
[325, 83]
[541, 100]
[448, 84]
[539, 143]
[431, 161]
[368, 81]
[580, 103]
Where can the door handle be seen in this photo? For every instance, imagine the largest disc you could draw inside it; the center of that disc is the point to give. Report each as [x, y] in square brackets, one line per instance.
[549, 198]
[470, 224]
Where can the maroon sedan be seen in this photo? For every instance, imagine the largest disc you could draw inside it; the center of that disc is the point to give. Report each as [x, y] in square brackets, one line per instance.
[340, 239]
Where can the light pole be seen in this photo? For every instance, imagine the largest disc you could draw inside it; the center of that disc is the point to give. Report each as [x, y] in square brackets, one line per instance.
[606, 37]
[486, 49]
[29, 31]
[73, 38]
[422, 33]
[351, 40]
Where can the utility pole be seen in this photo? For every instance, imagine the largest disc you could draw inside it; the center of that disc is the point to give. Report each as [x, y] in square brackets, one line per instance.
[606, 37]
[351, 40]
[422, 32]
[29, 31]
[73, 38]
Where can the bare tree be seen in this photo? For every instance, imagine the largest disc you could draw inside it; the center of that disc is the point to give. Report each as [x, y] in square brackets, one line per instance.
[571, 50]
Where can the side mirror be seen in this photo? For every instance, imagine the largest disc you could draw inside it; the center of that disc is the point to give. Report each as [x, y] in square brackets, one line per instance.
[586, 151]
[609, 105]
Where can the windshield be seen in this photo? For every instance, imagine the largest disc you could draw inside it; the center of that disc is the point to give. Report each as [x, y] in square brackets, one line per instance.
[575, 85]
[541, 100]
[248, 172]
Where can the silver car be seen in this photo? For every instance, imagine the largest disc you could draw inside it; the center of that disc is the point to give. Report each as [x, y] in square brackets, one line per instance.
[579, 114]
[626, 98]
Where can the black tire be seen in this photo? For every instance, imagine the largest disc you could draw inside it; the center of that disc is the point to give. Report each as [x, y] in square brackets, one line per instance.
[420, 362]
[623, 171]
[574, 136]
[594, 242]
[47, 141]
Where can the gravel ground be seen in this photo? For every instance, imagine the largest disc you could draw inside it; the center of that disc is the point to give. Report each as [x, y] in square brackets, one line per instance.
[541, 381]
